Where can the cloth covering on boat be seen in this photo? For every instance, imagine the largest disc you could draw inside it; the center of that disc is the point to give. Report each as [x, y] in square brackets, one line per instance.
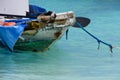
[34, 11]
[10, 34]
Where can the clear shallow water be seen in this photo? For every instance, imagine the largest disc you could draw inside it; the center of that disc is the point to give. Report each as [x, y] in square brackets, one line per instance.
[76, 58]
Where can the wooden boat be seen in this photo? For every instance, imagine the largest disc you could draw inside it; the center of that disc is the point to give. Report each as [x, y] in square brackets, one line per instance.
[31, 28]
[38, 36]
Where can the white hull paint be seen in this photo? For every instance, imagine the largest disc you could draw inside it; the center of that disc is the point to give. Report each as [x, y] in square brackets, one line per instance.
[49, 34]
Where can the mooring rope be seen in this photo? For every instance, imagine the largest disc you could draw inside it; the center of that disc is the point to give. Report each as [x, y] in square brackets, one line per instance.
[98, 40]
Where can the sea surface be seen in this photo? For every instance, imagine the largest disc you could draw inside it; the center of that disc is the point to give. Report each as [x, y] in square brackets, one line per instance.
[78, 57]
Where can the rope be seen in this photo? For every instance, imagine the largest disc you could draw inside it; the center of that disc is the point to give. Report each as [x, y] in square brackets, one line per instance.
[98, 40]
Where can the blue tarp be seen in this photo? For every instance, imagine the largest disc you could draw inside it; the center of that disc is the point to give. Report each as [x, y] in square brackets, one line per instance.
[9, 35]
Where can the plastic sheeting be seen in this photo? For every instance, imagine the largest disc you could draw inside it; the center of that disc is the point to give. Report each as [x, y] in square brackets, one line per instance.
[9, 35]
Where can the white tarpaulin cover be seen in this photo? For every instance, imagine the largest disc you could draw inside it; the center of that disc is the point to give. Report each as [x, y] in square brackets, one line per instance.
[14, 7]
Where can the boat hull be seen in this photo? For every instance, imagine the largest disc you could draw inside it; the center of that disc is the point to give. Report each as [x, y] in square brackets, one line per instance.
[42, 38]
[41, 41]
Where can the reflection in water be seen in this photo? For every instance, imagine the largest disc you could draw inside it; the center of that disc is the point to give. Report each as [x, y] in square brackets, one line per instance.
[30, 63]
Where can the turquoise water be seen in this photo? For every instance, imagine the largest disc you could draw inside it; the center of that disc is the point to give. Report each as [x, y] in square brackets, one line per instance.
[76, 58]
